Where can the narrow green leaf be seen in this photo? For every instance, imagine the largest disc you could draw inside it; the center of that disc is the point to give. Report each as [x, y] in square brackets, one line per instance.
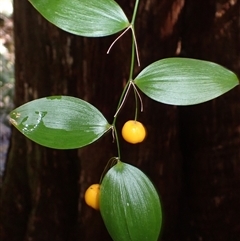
[183, 81]
[129, 204]
[90, 18]
[60, 122]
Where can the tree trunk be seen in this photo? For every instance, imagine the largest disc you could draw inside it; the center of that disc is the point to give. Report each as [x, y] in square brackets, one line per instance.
[42, 194]
[40, 189]
[210, 132]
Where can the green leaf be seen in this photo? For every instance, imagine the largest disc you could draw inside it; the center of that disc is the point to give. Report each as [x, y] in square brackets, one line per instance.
[60, 122]
[183, 81]
[90, 18]
[129, 204]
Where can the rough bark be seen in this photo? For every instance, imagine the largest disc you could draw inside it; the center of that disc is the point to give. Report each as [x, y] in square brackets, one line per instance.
[40, 189]
[40, 186]
[210, 132]
[42, 194]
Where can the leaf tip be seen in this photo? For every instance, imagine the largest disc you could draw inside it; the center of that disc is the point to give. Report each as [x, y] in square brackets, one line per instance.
[12, 121]
[14, 115]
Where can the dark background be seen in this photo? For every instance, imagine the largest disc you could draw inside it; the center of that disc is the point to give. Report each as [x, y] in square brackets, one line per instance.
[192, 154]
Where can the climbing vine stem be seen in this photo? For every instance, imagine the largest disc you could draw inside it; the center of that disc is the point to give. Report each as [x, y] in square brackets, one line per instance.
[127, 87]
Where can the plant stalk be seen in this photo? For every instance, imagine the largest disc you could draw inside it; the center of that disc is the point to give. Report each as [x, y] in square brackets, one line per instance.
[127, 86]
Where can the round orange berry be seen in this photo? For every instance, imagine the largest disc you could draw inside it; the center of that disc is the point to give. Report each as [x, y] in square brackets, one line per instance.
[92, 196]
[133, 132]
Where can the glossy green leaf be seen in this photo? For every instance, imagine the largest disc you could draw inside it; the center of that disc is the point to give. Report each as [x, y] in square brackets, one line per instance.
[60, 122]
[129, 204]
[90, 18]
[183, 81]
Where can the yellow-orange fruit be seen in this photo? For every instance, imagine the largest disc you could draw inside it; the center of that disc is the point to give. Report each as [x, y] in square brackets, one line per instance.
[133, 132]
[92, 196]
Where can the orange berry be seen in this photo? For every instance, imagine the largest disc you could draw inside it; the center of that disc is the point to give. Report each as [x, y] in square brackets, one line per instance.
[133, 132]
[92, 196]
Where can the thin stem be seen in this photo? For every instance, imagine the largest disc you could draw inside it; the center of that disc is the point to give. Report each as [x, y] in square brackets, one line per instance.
[136, 108]
[134, 40]
[118, 38]
[124, 98]
[136, 46]
[115, 137]
[126, 89]
[139, 96]
[110, 163]
[117, 142]
[132, 61]
[134, 12]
